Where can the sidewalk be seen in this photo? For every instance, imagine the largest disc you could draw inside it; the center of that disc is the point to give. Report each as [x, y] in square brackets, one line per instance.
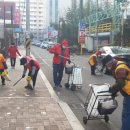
[41, 109]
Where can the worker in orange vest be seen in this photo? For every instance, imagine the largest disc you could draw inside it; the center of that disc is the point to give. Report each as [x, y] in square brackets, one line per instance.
[93, 61]
[3, 67]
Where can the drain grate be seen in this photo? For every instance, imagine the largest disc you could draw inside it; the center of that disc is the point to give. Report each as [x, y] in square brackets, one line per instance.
[76, 105]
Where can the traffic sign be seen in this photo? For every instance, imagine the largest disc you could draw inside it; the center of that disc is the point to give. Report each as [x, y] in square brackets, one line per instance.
[81, 34]
[17, 30]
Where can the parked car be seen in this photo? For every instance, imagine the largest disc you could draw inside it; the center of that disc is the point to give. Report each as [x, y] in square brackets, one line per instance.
[44, 45]
[112, 50]
[38, 43]
[116, 52]
[50, 44]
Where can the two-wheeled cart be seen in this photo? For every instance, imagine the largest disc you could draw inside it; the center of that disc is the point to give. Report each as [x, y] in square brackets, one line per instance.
[74, 76]
[99, 66]
[99, 103]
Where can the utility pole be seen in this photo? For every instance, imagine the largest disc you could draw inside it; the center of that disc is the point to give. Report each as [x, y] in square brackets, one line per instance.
[28, 41]
[81, 19]
[4, 26]
[97, 23]
[20, 20]
[12, 22]
[81, 8]
[28, 16]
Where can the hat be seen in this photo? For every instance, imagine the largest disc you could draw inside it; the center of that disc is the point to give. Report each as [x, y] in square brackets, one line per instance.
[109, 57]
[98, 52]
[12, 43]
[23, 61]
[64, 43]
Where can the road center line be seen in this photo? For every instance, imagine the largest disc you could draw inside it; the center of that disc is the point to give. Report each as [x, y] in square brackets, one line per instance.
[45, 62]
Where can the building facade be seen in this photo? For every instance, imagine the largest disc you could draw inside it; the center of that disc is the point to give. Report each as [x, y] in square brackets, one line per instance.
[38, 16]
[53, 11]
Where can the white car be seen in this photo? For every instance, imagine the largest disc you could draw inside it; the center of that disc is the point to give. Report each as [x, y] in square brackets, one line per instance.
[111, 50]
[50, 44]
[38, 43]
[116, 52]
[44, 45]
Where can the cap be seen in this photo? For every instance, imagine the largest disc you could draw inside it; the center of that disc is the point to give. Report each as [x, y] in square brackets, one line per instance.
[23, 61]
[98, 52]
[64, 43]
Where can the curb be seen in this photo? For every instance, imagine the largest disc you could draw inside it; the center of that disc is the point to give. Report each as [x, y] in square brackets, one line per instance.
[74, 122]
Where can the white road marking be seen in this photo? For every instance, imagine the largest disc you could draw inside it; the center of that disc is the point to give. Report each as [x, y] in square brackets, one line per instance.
[44, 61]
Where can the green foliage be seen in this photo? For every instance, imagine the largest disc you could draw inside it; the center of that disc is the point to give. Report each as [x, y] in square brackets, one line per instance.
[54, 25]
[121, 1]
[70, 22]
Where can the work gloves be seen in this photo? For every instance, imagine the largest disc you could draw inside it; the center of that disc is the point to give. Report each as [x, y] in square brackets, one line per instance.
[113, 91]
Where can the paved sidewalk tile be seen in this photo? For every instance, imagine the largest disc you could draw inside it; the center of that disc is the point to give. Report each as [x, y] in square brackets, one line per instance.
[22, 109]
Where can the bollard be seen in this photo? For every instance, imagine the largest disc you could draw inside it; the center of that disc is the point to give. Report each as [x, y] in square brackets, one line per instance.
[28, 42]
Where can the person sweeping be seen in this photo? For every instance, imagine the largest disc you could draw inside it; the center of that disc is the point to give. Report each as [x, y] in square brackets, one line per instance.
[33, 66]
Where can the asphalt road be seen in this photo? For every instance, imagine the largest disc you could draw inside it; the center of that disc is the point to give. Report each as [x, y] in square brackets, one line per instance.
[76, 99]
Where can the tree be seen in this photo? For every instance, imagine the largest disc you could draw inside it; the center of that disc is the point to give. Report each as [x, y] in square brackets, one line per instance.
[70, 22]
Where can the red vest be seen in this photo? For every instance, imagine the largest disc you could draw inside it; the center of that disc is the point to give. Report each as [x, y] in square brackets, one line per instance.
[57, 49]
[12, 51]
[29, 66]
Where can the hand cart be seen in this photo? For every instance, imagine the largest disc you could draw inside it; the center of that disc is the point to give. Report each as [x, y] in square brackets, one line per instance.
[99, 65]
[98, 70]
[74, 76]
[99, 103]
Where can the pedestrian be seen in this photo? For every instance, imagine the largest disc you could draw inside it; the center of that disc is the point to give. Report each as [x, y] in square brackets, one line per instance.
[33, 66]
[61, 55]
[3, 67]
[121, 73]
[93, 61]
[12, 53]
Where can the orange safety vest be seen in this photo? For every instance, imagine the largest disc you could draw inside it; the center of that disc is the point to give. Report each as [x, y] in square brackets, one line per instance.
[126, 88]
[2, 59]
[91, 60]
